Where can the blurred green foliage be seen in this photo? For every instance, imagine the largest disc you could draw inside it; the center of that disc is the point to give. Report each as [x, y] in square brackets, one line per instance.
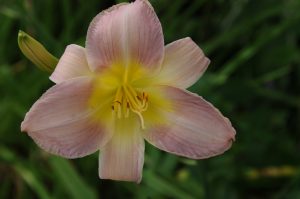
[254, 79]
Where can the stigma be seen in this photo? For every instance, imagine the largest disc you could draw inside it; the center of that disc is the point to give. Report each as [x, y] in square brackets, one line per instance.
[127, 100]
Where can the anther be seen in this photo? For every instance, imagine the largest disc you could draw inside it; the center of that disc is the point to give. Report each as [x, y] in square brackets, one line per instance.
[119, 102]
[139, 98]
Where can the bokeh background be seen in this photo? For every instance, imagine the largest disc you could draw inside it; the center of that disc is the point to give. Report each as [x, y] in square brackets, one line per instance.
[254, 79]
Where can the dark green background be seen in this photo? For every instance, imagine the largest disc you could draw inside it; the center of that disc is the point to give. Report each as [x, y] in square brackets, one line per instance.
[254, 79]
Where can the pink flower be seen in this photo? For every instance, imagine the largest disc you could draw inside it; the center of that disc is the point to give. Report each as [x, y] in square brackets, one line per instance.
[123, 87]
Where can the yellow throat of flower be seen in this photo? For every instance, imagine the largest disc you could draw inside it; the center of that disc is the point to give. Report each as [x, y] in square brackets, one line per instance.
[122, 91]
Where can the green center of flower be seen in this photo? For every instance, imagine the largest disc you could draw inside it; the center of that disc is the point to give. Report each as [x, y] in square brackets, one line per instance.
[128, 99]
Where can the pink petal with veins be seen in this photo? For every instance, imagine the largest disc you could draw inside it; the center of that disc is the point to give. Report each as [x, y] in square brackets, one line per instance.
[72, 64]
[195, 128]
[60, 123]
[123, 157]
[184, 63]
[125, 34]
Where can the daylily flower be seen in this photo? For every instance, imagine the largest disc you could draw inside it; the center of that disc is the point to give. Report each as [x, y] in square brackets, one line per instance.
[123, 87]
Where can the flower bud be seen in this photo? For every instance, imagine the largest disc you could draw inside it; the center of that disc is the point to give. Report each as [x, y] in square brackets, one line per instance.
[36, 52]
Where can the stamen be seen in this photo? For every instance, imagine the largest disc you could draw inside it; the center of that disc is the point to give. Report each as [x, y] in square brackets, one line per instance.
[125, 107]
[127, 99]
[130, 98]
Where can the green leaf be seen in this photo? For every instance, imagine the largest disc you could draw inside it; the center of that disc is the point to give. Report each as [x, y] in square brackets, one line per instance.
[70, 179]
[26, 173]
[164, 187]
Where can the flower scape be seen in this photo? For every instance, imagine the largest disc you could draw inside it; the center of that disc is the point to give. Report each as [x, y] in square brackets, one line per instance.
[125, 87]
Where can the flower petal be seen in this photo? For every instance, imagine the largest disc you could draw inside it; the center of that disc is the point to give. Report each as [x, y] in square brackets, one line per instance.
[72, 64]
[59, 122]
[184, 63]
[195, 128]
[125, 34]
[122, 158]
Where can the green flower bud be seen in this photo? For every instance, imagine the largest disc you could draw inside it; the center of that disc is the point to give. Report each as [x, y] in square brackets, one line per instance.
[36, 52]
